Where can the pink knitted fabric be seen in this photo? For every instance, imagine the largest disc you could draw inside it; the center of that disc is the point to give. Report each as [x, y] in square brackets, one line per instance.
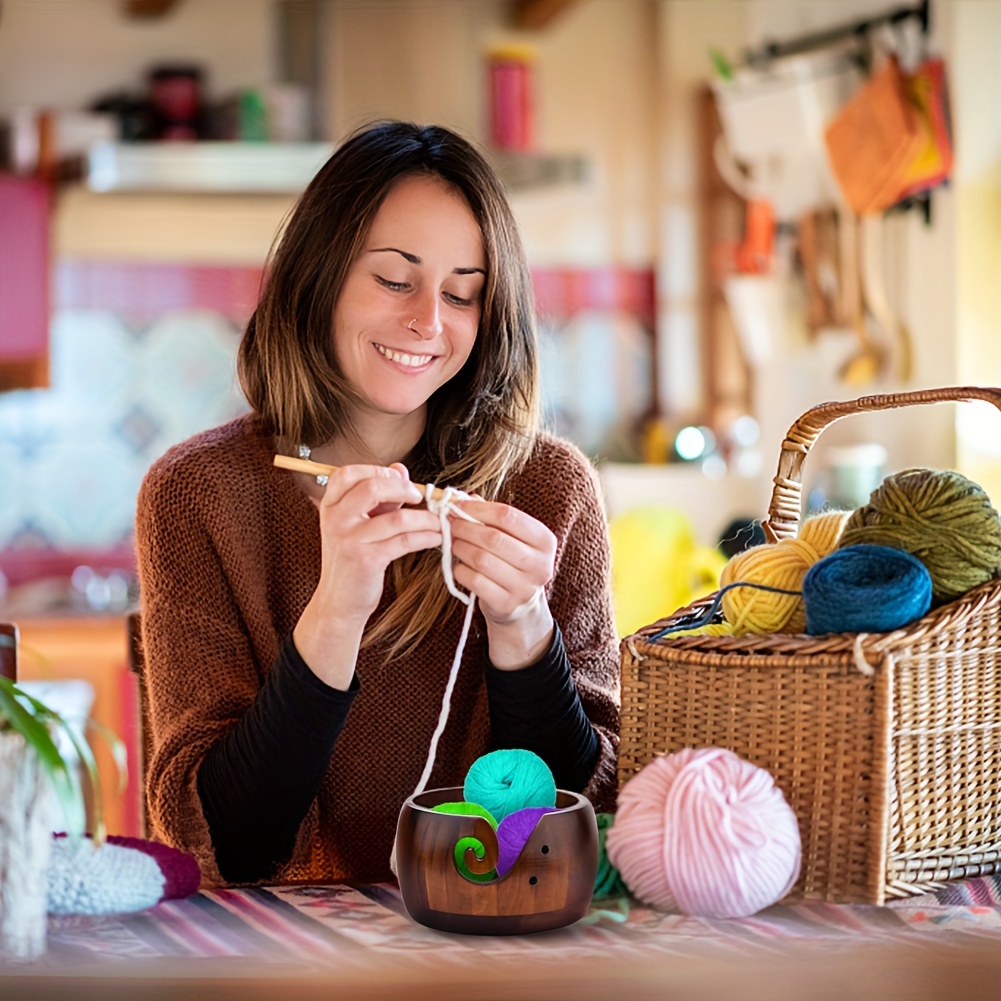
[706, 833]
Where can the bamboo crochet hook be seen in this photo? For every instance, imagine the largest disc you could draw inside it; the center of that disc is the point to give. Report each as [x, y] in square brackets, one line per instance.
[322, 469]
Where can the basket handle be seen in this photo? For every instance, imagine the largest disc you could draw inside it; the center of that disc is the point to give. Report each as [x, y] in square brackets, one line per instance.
[786, 503]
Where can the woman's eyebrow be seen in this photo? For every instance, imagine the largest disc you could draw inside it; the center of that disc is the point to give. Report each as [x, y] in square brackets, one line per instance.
[414, 259]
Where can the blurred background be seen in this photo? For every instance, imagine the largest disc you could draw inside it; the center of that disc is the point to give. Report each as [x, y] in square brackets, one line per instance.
[733, 210]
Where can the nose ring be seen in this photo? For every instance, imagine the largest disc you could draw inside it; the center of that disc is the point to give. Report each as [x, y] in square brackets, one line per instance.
[410, 325]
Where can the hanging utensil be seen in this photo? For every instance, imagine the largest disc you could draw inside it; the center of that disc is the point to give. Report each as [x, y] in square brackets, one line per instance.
[869, 361]
[874, 292]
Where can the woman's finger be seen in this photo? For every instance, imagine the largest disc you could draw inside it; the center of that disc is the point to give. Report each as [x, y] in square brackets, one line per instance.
[510, 535]
[479, 539]
[506, 570]
[510, 521]
[506, 561]
[397, 522]
[364, 494]
[496, 601]
[412, 542]
[344, 477]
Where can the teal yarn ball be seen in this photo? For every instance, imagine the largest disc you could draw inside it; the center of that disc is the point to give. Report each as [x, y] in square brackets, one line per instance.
[509, 780]
[865, 589]
[608, 881]
[459, 853]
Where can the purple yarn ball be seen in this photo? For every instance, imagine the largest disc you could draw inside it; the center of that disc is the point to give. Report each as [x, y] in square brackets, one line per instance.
[512, 833]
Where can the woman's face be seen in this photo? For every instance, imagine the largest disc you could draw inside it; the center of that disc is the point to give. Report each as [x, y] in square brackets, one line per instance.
[409, 311]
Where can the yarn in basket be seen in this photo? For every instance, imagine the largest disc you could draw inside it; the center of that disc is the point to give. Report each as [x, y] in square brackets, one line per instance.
[782, 565]
[706, 833]
[865, 589]
[941, 517]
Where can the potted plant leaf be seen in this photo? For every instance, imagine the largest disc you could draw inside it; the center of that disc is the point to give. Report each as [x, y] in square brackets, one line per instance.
[35, 779]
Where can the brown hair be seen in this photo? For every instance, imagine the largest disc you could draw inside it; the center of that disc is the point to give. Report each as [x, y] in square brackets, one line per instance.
[482, 423]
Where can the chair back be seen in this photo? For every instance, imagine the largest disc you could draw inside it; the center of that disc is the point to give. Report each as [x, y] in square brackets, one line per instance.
[145, 743]
[8, 650]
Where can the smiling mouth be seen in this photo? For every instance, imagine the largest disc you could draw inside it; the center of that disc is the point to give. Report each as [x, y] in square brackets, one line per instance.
[402, 358]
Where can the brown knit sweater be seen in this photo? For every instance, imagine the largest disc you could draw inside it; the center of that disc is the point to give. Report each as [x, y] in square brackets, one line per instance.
[229, 555]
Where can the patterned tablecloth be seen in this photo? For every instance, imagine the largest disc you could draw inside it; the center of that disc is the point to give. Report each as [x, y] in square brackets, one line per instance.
[318, 943]
[356, 926]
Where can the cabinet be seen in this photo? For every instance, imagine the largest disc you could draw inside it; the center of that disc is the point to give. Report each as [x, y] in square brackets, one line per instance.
[24, 283]
[95, 650]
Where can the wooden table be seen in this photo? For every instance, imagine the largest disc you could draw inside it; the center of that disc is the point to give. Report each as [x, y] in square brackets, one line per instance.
[333, 942]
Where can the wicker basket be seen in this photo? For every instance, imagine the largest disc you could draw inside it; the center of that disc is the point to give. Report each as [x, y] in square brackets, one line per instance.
[887, 746]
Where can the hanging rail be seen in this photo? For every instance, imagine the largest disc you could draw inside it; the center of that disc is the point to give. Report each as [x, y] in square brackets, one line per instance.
[768, 51]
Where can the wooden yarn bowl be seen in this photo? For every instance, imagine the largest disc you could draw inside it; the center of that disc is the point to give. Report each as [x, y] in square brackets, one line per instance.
[549, 886]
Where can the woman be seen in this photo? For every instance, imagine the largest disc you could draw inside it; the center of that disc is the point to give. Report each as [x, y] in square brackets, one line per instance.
[298, 634]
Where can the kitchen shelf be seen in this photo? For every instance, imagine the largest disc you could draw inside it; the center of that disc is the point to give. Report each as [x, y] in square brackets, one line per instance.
[209, 167]
[269, 168]
[532, 170]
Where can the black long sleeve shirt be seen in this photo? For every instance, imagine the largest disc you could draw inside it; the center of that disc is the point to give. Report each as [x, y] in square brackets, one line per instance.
[257, 783]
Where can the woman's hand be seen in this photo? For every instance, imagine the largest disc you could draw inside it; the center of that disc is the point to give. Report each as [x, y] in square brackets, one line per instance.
[507, 561]
[364, 526]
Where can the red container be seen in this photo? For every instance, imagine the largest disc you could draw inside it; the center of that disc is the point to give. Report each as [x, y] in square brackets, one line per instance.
[175, 95]
[512, 99]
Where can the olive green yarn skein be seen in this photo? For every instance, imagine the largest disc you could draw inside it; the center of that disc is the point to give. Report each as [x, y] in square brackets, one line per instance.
[942, 518]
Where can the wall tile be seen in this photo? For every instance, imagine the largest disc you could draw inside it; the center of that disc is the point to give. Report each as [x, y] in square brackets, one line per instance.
[143, 356]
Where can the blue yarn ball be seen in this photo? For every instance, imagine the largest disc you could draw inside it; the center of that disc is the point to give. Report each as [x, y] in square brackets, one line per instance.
[865, 589]
[509, 780]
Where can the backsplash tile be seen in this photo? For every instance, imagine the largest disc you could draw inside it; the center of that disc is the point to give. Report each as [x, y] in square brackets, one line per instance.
[143, 356]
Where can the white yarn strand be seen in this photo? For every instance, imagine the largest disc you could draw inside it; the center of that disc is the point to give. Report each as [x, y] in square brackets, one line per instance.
[446, 700]
[445, 506]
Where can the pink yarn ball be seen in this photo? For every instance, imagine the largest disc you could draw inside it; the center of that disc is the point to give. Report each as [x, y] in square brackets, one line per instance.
[706, 833]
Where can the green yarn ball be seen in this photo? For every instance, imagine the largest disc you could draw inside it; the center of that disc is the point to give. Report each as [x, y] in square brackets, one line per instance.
[459, 853]
[509, 780]
[466, 810]
[608, 882]
[942, 518]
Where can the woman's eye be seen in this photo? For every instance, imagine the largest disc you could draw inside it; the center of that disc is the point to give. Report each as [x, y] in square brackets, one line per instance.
[457, 300]
[392, 286]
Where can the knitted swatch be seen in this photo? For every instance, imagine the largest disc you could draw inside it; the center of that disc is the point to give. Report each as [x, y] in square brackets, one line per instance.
[119, 876]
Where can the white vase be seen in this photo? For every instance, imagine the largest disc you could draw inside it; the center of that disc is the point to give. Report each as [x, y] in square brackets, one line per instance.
[27, 802]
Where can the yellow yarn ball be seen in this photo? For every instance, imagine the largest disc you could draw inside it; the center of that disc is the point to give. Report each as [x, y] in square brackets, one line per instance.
[780, 564]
